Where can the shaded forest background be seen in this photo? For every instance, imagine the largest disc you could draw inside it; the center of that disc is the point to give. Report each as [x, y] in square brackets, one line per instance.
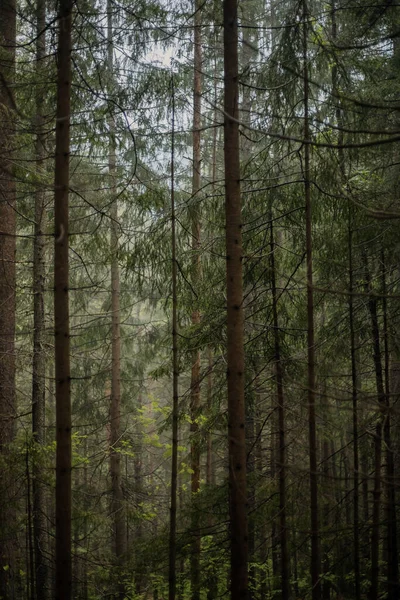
[192, 194]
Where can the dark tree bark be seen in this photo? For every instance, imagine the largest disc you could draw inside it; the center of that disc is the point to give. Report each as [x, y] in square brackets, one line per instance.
[275, 584]
[175, 373]
[259, 465]
[209, 459]
[391, 516]
[61, 306]
[315, 541]
[354, 394]
[377, 491]
[196, 268]
[138, 478]
[251, 489]
[235, 314]
[326, 508]
[7, 292]
[283, 534]
[210, 471]
[30, 570]
[117, 501]
[39, 354]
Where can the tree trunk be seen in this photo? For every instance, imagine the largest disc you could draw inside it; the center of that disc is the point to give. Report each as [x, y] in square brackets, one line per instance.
[196, 267]
[354, 394]
[39, 354]
[209, 459]
[61, 307]
[285, 565]
[315, 541]
[391, 517]
[175, 373]
[7, 293]
[235, 314]
[326, 508]
[376, 507]
[274, 583]
[117, 502]
[210, 471]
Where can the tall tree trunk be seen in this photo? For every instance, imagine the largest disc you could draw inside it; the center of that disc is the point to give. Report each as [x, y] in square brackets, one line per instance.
[61, 306]
[315, 541]
[30, 572]
[274, 582]
[235, 314]
[285, 566]
[364, 463]
[210, 471]
[354, 394]
[117, 502]
[376, 507]
[326, 507]
[246, 50]
[7, 292]
[138, 478]
[209, 458]
[391, 517]
[39, 354]
[251, 489]
[175, 373]
[196, 267]
[212, 584]
[262, 534]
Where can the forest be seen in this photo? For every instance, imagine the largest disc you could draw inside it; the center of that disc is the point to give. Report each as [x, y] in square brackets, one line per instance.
[199, 299]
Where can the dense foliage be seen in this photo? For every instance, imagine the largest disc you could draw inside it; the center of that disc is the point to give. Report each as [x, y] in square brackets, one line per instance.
[319, 115]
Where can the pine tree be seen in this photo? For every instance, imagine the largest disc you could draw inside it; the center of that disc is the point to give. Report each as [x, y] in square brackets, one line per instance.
[235, 313]
[63, 584]
[8, 571]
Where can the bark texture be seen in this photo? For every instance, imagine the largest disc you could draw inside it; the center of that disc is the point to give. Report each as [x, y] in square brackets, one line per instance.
[354, 394]
[7, 294]
[117, 499]
[196, 272]
[312, 434]
[175, 375]
[39, 353]
[283, 534]
[235, 313]
[377, 491]
[61, 307]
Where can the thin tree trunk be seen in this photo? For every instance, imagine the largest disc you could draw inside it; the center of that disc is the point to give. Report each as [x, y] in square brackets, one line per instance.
[285, 564]
[196, 267]
[365, 499]
[39, 354]
[262, 537]
[175, 373]
[30, 562]
[117, 502]
[8, 573]
[61, 307]
[376, 509]
[326, 488]
[391, 517]
[85, 521]
[212, 581]
[209, 458]
[274, 583]
[354, 394]
[251, 489]
[212, 584]
[315, 541]
[235, 314]
[210, 472]
[138, 475]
